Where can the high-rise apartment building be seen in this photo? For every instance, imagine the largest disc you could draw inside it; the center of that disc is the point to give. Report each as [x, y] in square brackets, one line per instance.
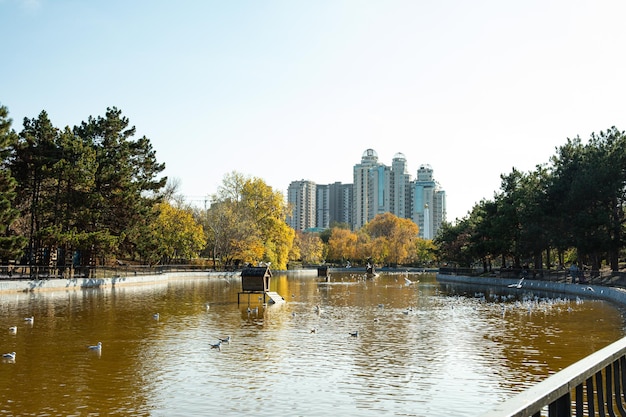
[429, 204]
[401, 182]
[334, 204]
[361, 191]
[377, 189]
[322, 210]
[301, 196]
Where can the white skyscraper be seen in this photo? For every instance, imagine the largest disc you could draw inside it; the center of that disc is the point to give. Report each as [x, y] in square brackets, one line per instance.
[429, 203]
[361, 175]
[379, 191]
[301, 198]
[401, 203]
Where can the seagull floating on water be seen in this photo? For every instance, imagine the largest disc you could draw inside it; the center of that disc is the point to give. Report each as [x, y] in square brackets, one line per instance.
[156, 316]
[10, 355]
[217, 345]
[225, 340]
[355, 334]
[13, 329]
[96, 347]
[30, 319]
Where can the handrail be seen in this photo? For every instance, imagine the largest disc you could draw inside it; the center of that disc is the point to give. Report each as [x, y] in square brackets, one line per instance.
[597, 381]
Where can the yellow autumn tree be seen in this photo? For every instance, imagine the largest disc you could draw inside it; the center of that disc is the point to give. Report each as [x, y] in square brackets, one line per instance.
[247, 223]
[342, 245]
[393, 239]
[173, 236]
[310, 247]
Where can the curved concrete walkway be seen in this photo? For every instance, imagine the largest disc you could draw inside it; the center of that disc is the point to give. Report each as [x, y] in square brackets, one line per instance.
[614, 294]
[56, 284]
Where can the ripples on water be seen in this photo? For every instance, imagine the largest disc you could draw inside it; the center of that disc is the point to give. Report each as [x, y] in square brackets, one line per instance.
[422, 349]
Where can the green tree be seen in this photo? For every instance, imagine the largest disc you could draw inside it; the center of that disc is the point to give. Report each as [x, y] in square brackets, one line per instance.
[126, 179]
[588, 192]
[11, 244]
[454, 244]
[91, 188]
[174, 236]
[425, 252]
[32, 162]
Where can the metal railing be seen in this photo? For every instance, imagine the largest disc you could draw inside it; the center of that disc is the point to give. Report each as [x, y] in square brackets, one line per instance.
[603, 277]
[593, 386]
[21, 272]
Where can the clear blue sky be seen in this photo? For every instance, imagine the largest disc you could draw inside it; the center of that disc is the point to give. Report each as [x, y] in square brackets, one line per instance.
[290, 90]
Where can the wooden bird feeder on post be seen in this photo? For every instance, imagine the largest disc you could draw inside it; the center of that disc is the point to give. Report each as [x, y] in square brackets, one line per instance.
[256, 280]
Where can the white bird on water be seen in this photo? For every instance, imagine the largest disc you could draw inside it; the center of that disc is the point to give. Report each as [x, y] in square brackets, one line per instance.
[30, 319]
[355, 334]
[156, 316]
[217, 345]
[10, 356]
[225, 340]
[13, 329]
[96, 347]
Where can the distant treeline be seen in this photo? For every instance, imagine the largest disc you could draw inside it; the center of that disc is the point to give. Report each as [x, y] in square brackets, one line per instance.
[570, 209]
[71, 195]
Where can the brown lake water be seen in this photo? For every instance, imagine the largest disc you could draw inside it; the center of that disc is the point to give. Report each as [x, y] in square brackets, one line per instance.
[424, 349]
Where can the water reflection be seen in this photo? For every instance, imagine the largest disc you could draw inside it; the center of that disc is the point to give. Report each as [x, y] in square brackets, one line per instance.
[422, 348]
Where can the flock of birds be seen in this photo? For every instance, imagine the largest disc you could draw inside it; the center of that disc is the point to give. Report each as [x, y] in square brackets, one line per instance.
[528, 303]
[10, 356]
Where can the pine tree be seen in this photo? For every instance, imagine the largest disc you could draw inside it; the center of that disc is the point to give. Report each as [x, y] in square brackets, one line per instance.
[11, 245]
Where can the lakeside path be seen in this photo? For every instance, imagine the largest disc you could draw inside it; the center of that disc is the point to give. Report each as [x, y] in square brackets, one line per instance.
[613, 294]
[8, 285]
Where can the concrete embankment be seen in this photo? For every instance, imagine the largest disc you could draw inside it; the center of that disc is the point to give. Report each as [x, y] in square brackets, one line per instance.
[617, 295]
[56, 284]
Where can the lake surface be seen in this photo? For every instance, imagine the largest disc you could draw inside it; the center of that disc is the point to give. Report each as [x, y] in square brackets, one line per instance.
[423, 349]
